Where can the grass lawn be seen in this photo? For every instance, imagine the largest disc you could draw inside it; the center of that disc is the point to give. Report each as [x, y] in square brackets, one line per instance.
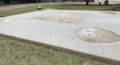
[54, 6]
[16, 53]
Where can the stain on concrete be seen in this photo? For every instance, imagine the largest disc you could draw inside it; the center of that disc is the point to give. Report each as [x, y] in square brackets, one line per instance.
[6, 20]
[111, 13]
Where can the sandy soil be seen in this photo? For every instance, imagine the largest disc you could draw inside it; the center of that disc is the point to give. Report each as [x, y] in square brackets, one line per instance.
[97, 35]
[107, 13]
[62, 17]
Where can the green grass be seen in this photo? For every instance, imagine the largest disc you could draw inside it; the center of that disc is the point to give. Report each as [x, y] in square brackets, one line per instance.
[80, 7]
[54, 6]
[15, 53]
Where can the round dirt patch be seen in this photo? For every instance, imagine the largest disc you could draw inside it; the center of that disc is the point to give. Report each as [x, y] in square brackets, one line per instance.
[97, 35]
[5, 20]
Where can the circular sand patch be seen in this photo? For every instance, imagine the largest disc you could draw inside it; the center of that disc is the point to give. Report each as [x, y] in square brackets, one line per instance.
[6, 20]
[97, 35]
[107, 13]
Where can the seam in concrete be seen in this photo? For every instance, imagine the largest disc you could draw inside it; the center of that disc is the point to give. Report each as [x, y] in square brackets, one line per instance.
[65, 50]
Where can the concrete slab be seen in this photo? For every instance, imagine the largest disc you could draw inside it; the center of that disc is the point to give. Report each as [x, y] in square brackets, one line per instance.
[62, 34]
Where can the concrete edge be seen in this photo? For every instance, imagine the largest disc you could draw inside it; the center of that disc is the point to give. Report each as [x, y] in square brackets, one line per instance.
[56, 48]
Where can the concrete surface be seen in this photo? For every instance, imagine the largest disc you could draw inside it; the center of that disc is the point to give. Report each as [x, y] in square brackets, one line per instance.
[62, 34]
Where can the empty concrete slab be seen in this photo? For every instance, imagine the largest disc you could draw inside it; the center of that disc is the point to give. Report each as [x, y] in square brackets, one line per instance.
[91, 32]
